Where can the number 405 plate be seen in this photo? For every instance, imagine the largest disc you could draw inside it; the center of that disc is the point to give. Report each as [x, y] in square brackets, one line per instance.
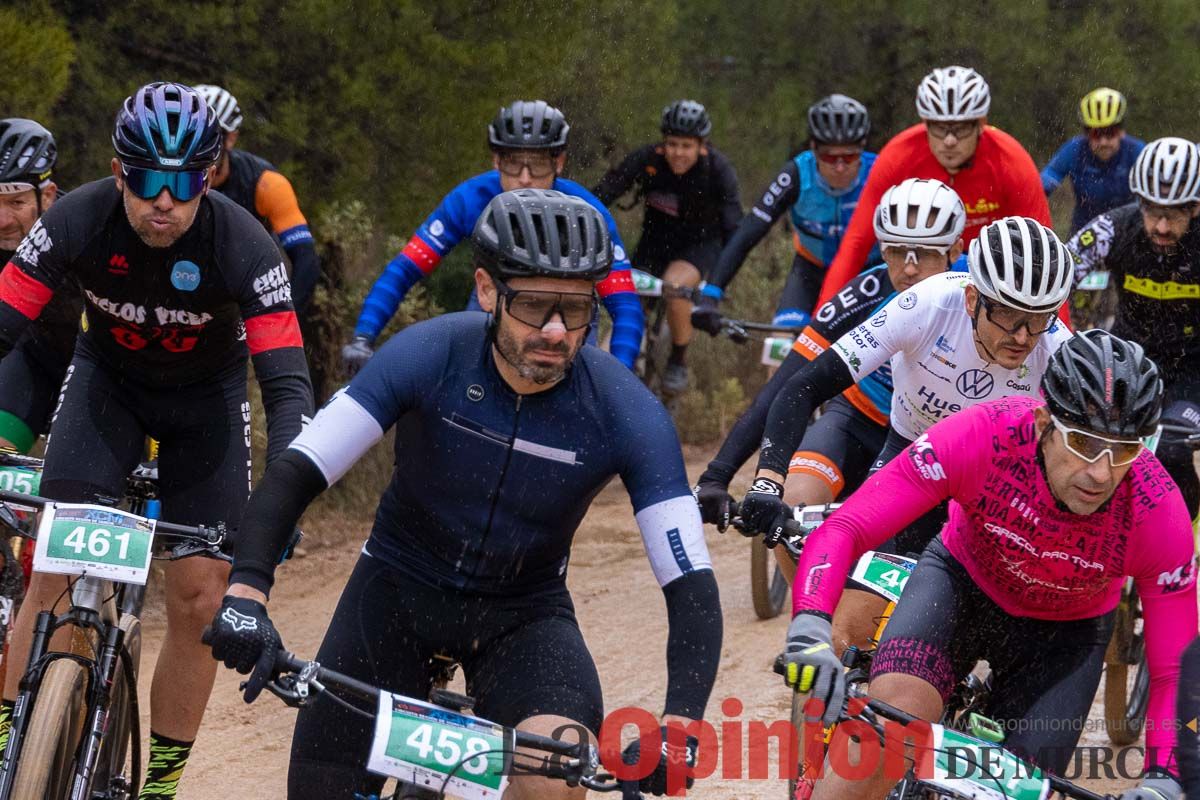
[97, 540]
[422, 744]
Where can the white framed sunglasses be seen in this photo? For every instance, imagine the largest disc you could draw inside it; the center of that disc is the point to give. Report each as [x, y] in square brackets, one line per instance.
[1091, 447]
[913, 252]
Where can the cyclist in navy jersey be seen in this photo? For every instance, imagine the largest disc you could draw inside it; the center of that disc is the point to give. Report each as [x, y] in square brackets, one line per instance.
[819, 188]
[180, 286]
[507, 426]
[1098, 160]
[528, 142]
[692, 208]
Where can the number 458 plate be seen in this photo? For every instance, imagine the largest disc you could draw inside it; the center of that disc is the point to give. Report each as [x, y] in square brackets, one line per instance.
[106, 542]
[422, 744]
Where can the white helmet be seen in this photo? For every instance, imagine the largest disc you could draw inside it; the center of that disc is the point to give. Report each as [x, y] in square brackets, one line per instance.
[949, 94]
[1020, 263]
[1167, 172]
[920, 211]
[229, 114]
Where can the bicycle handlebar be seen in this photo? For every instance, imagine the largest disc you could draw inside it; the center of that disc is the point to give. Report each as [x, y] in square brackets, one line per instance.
[207, 537]
[295, 677]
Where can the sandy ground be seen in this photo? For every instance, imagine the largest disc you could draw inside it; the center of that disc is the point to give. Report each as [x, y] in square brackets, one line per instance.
[242, 750]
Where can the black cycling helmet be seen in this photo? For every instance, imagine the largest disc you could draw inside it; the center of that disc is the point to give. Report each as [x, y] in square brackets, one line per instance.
[838, 119]
[529, 233]
[27, 152]
[1104, 384]
[167, 126]
[686, 118]
[528, 125]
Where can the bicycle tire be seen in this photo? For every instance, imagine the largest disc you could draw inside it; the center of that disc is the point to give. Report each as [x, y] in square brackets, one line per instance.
[1122, 728]
[55, 727]
[117, 745]
[768, 586]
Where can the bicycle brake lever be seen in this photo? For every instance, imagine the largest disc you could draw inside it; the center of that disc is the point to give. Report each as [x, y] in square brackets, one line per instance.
[736, 333]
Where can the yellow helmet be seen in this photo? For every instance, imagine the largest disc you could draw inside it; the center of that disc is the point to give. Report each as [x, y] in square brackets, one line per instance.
[1102, 108]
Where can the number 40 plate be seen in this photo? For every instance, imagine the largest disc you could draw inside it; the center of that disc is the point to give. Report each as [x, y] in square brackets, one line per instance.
[422, 744]
[106, 542]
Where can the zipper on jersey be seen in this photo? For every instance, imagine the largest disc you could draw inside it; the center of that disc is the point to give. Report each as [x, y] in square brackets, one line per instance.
[512, 442]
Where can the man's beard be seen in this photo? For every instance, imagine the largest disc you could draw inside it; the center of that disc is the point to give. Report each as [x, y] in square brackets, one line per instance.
[512, 351]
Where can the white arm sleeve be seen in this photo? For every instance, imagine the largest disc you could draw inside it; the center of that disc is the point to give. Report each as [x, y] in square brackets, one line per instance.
[673, 536]
[339, 435]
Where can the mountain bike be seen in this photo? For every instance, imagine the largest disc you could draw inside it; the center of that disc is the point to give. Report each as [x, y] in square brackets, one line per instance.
[76, 729]
[952, 764]
[434, 749]
[1094, 302]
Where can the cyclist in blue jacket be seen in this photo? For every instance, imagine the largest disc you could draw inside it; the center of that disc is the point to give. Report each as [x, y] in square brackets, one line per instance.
[528, 141]
[1098, 160]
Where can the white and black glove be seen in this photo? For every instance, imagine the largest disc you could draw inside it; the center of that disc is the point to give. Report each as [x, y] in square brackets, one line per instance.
[675, 756]
[356, 355]
[1155, 787]
[763, 511]
[811, 666]
[243, 637]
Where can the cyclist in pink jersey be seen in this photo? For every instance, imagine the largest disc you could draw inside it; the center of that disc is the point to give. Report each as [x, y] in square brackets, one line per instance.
[1053, 505]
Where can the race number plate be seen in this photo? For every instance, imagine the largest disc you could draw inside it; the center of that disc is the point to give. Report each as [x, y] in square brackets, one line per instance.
[983, 771]
[883, 574]
[646, 284]
[422, 744]
[20, 479]
[1094, 282]
[775, 350]
[105, 542]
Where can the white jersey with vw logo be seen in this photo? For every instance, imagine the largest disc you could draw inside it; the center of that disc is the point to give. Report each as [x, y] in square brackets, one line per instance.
[936, 368]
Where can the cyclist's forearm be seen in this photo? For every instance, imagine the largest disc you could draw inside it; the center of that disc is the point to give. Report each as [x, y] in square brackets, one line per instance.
[823, 379]
[286, 395]
[693, 642]
[306, 269]
[746, 434]
[275, 506]
[749, 233]
[389, 290]
[628, 320]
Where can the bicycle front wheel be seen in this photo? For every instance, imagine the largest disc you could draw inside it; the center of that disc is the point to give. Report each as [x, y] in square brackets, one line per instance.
[768, 584]
[45, 768]
[118, 765]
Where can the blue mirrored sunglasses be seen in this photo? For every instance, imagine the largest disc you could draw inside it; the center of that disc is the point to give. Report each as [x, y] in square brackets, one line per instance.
[149, 183]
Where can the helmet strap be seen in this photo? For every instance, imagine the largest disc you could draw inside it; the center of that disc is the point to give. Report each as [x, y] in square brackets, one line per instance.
[975, 329]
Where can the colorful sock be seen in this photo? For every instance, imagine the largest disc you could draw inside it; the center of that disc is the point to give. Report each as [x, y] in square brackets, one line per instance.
[6, 711]
[168, 757]
[678, 354]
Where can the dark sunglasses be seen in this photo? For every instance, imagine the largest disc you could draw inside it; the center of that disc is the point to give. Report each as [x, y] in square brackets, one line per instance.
[838, 158]
[536, 308]
[1104, 133]
[539, 165]
[1011, 320]
[149, 183]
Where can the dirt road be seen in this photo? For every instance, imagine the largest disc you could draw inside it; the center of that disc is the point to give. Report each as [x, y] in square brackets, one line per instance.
[242, 750]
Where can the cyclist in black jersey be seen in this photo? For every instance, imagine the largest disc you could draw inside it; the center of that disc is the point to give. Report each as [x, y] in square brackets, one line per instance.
[32, 373]
[257, 186]
[692, 208]
[180, 285]
[1151, 249]
[507, 426]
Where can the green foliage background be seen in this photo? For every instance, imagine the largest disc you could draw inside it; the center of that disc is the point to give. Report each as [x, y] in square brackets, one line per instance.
[375, 108]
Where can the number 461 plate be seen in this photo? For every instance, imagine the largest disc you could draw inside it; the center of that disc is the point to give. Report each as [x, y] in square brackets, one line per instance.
[422, 744]
[97, 540]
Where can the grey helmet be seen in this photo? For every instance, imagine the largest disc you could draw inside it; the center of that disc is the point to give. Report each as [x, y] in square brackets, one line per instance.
[528, 125]
[529, 233]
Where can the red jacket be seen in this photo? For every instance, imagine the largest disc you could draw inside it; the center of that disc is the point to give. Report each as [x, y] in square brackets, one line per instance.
[1001, 180]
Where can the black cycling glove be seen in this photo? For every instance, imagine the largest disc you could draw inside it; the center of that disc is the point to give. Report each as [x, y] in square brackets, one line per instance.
[677, 755]
[243, 638]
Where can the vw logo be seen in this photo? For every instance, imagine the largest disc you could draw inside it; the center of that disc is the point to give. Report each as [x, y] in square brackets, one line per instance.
[975, 384]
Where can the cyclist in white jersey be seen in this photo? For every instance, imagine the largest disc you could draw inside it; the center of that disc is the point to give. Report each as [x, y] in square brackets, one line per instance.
[953, 341]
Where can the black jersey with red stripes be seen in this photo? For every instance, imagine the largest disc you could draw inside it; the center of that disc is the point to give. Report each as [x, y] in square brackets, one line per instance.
[165, 316]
